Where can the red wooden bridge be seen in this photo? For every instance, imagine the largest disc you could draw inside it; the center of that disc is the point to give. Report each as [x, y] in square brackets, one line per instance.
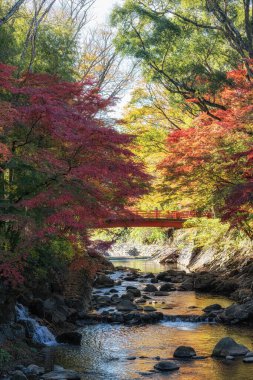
[156, 218]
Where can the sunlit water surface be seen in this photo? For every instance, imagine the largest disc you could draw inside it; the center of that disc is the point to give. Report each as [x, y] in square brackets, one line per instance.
[144, 264]
[105, 348]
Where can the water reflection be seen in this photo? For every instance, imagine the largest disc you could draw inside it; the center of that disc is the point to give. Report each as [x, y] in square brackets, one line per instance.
[105, 348]
[143, 264]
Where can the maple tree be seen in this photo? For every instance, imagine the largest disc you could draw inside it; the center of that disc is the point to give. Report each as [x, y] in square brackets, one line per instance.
[211, 162]
[62, 167]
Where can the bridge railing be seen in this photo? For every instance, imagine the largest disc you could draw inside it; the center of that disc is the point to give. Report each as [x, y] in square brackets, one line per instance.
[157, 214]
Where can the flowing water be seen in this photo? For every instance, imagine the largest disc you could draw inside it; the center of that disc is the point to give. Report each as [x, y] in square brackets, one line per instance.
[39, 334]
[105, 348]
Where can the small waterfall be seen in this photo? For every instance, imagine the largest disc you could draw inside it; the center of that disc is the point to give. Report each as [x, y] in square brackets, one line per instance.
[39, 334]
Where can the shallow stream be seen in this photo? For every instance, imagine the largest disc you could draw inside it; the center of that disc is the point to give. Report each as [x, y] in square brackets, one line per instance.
[105, 348]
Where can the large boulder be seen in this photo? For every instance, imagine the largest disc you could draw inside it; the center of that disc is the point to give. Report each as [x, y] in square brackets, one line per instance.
[225, 286]
[204, 282]
[103, 281]
[238, 313]
[228, 347]
[184, 352]
[56, 310]
[242, 295]
[166, 366]
[72, 337]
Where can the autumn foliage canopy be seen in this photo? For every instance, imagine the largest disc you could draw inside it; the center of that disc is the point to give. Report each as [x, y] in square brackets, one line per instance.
[212, 160]
[62, 167]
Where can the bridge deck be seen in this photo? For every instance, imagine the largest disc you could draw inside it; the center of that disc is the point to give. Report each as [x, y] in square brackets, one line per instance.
[156, 218]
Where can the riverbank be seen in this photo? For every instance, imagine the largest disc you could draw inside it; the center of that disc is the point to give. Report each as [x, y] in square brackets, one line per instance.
[228, 258]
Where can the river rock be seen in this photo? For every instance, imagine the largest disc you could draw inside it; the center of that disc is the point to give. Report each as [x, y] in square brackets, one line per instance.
[225, 286]
[166, 366]
[103, 300]
[184, 352]
[115, 299]
[204, 282]
[103, 281]
[161, 276]
[166, 287]
[117, 317]
[211, 308]
[125, 305]
[58, 368]
[187, 285]
[18, 375]
[242, 294]
[56, 310]
[160, 294]
[34, 370]
[149, 275]
[237, 313]
[150, 288]
[134, 292]
[149, 308]
[62, 375]
[248, 360]
[72, 337]
[131, 277]
[140, 300]
[137, 318]
[113, 291]
[127, 296]
[227, 346]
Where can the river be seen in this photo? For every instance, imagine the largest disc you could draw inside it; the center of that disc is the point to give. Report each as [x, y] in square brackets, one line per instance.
[105, 348]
